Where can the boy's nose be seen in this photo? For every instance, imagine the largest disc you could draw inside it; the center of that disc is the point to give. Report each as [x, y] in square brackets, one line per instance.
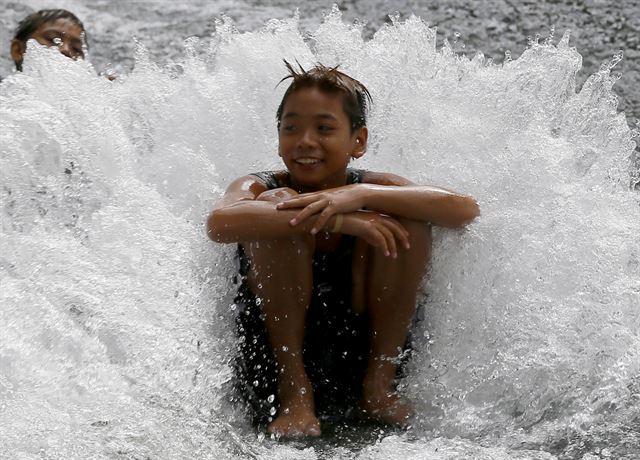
[66, 49]
[308, 139]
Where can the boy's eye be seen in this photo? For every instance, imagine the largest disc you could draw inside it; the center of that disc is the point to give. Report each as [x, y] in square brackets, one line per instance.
[53, 39]
[288, 127]
[325, 128]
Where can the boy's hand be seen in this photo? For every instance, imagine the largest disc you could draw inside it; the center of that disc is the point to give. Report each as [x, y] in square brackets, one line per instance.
[325, 204]
[378, 230]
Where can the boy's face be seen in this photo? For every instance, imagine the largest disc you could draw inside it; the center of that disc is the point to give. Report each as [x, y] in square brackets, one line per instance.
[62, 33]
[316, 142]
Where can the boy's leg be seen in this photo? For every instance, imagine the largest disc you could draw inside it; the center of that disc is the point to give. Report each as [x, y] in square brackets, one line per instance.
[391, 291]
[281, 276]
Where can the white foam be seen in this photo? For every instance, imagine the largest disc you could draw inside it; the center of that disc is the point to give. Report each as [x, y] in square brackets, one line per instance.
[115, 306]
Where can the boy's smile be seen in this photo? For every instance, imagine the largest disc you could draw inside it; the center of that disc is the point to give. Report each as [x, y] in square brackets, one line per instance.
[316, 141]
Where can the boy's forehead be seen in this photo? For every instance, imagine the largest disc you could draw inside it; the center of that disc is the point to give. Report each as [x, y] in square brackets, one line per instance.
[319, 114]
[62, 25]
[321, 103]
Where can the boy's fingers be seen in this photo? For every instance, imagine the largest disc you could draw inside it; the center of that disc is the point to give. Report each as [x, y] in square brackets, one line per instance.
[389, 239]
[393, 246]
[292, 203]
[297, 201]
[401, 233]
[307, 211]
[323, 218]
[380, 241]
[374, 237]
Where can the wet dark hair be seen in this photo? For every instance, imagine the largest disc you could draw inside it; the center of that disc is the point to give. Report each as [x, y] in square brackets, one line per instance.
[355, 96]
[34, 21]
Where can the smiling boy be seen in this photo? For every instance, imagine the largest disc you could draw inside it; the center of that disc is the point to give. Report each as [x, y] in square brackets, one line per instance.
[332, 258]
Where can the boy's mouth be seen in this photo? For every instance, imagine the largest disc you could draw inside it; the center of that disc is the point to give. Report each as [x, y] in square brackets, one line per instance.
[307, 161]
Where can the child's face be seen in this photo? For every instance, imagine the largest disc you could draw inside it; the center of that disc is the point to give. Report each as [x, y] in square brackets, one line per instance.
[316, 140]
[62, 33]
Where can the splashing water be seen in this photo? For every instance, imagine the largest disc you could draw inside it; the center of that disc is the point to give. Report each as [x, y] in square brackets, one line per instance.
[116, 310]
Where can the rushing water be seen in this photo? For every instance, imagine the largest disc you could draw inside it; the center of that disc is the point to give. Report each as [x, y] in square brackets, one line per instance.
[116, 310]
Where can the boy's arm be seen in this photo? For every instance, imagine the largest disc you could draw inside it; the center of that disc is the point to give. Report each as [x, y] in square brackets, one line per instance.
[387, 194]
[247, 212]
[394, 195]
[242, 216]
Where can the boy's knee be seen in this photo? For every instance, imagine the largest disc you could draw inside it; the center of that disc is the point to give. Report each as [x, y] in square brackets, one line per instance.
[277, 195]
[418, 230]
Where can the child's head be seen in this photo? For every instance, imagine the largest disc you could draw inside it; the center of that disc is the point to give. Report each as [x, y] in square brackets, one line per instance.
[59, 28]
[355, 96]
[321, 126]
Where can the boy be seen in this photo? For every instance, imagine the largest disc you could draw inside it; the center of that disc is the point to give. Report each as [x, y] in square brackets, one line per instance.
[331, 257]
[59, 28]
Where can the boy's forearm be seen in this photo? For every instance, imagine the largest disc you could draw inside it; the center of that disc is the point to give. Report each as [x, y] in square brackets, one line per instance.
[253, 221]
[424, 203]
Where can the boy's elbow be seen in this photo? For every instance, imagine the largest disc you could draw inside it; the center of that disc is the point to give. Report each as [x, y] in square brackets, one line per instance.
[470, 210]
[465, 210]
[215, 227]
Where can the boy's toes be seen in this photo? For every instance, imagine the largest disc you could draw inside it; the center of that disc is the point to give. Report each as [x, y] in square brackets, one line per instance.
[294, 425]
[389, 409]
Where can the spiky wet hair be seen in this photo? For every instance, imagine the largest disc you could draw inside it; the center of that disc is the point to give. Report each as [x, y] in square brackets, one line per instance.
[355, 96]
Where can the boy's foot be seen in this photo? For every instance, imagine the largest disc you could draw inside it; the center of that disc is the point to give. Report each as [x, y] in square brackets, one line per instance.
[295, 422]
[381, 403]
[387, 407]
[296, 416]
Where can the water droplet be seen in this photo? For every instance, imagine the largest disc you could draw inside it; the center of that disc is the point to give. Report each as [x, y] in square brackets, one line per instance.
[57, 41]
[272, 411]
[260, 437]
[271, 398]
[303, 391]
[285, 348]
[255, 383]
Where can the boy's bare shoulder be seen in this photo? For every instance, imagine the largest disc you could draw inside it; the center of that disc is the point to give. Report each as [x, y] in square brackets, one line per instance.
[242, 189]
[248, 187]
[384, 178]
[261, 181]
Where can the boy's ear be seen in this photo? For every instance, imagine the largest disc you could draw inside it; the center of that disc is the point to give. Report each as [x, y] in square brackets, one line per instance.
[17, 51]
[361, 142]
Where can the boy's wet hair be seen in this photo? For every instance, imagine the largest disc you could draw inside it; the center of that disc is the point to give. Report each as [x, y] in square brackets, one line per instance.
[355, 96]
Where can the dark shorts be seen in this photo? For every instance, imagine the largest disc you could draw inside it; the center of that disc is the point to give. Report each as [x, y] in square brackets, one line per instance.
[335, 345]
